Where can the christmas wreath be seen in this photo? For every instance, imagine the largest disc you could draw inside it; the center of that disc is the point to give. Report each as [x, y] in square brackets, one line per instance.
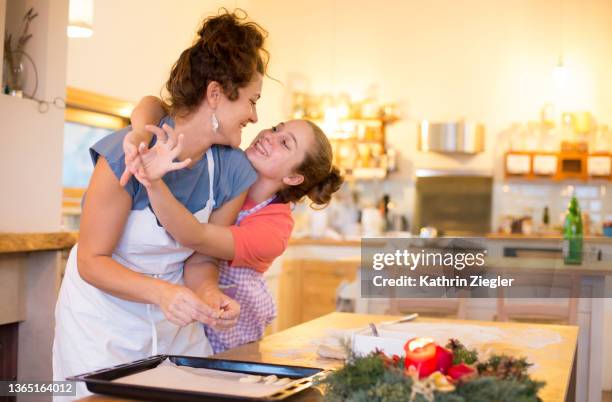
[429, 372]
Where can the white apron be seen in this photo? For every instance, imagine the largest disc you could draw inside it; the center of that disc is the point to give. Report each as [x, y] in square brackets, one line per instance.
[95, 330]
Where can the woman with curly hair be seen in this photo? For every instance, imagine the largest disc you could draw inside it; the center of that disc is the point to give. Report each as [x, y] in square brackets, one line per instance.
[129, 290]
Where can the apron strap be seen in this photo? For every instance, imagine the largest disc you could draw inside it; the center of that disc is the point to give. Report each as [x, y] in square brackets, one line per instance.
[211, 176]
[244, 214]
[153, 330]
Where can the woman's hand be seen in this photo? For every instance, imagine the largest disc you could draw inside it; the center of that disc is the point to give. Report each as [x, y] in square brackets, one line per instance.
[131, 142]
[154, 163]
[182, 306]
[228, 310]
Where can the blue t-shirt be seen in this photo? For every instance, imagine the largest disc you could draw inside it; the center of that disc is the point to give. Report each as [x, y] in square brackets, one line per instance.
[233, 173]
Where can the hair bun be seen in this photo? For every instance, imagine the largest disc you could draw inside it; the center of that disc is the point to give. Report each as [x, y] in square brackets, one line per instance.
[229, 50]
[223, 20]
[322, 192]
[230, 32]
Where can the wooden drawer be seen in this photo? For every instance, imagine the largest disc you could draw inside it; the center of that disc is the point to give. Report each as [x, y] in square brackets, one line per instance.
[308, 289]
[320, 294]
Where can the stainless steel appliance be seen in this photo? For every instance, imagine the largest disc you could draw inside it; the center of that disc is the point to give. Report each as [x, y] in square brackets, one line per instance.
[455, 203]
[460, 137]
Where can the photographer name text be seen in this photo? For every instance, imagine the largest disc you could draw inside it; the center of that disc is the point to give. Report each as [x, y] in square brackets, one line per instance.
[443, 281]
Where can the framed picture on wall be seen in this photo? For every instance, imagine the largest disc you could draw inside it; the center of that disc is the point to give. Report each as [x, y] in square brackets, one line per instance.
[88, 118]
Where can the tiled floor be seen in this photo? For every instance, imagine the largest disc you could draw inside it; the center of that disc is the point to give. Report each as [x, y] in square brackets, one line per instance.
[607, 396]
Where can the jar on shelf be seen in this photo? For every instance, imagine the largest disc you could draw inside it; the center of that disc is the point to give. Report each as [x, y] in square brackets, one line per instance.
[532, 136]
[568, 138]
[363, 152]
[517, 138]
[549, 139]
[600, 140]
[369, 109]
[299, 105]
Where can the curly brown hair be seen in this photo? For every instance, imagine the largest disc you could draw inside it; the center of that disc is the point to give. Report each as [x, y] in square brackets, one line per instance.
[229, 50]
[321, 178]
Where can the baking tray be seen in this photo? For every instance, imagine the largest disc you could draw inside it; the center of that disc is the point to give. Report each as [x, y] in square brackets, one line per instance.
[100, 381]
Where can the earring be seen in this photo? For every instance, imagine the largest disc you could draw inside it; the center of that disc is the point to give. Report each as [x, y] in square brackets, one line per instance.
[215, 123]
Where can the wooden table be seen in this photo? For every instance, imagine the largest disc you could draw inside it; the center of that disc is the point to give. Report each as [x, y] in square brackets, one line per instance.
[293, 346]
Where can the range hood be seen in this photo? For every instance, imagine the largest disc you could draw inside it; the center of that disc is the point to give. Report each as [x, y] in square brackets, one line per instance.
[459, 137]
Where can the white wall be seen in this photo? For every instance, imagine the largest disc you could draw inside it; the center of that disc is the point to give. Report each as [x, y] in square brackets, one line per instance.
[440, 60]
[489, 61]
[31, 142]
[135, 44]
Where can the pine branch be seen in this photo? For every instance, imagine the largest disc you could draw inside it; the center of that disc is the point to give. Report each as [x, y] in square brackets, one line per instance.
[461, 354]
[372, 378]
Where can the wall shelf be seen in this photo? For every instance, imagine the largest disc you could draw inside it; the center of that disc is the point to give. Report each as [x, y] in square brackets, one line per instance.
[559, 166]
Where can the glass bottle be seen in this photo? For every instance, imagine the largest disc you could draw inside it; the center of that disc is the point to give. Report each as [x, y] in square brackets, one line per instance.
[572, 234]
[600, 141]
[546, 217]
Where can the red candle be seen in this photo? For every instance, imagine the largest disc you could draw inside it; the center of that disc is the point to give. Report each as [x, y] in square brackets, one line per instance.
[421, 353]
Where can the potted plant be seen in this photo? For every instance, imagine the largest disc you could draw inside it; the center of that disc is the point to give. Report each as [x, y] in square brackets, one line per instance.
[13, 55]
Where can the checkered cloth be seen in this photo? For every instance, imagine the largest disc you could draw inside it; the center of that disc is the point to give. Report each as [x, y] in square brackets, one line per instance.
[257, 308]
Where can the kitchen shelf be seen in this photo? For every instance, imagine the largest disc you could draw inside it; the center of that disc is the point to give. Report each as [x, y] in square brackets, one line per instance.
[558, 166]
[599, 165]
[359, 147]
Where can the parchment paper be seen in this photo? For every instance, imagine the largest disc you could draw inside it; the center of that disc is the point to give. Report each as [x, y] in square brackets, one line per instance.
[170, 376]
[481, 337]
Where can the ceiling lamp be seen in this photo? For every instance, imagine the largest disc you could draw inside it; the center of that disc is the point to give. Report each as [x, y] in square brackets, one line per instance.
[560, 71]
[80, 23]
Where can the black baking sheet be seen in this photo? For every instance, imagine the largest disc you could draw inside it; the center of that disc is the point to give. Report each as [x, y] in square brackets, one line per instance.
[101, 381]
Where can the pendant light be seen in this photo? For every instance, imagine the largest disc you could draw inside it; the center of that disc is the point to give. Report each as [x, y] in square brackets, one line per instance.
[80, 23]
[560, 71]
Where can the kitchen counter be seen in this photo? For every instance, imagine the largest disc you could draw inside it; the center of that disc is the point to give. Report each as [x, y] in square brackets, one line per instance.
[24, 242]
[553, 363]
[27, 242]
[546, 265]
[30, 273]
[310, 241]
[545, 237]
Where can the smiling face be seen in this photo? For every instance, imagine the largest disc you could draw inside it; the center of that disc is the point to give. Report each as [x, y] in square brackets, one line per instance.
[233, 116]
[276, 152]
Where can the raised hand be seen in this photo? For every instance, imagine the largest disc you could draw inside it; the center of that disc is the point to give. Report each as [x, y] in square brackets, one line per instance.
[154, 163]
[131, 142]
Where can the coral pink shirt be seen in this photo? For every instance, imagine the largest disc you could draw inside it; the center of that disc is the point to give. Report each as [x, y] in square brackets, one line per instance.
[262, 236]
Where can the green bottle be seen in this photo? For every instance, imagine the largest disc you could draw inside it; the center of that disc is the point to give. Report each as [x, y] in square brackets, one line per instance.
[572, 234]
[546, 217]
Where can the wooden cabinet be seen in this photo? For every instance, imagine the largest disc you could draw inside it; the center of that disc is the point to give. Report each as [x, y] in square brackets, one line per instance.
[545, 165]
[308, 289]
[557, 166]
[8, 351]
[572, 166]
[600, 165]
[518, 165]
[289, 295]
